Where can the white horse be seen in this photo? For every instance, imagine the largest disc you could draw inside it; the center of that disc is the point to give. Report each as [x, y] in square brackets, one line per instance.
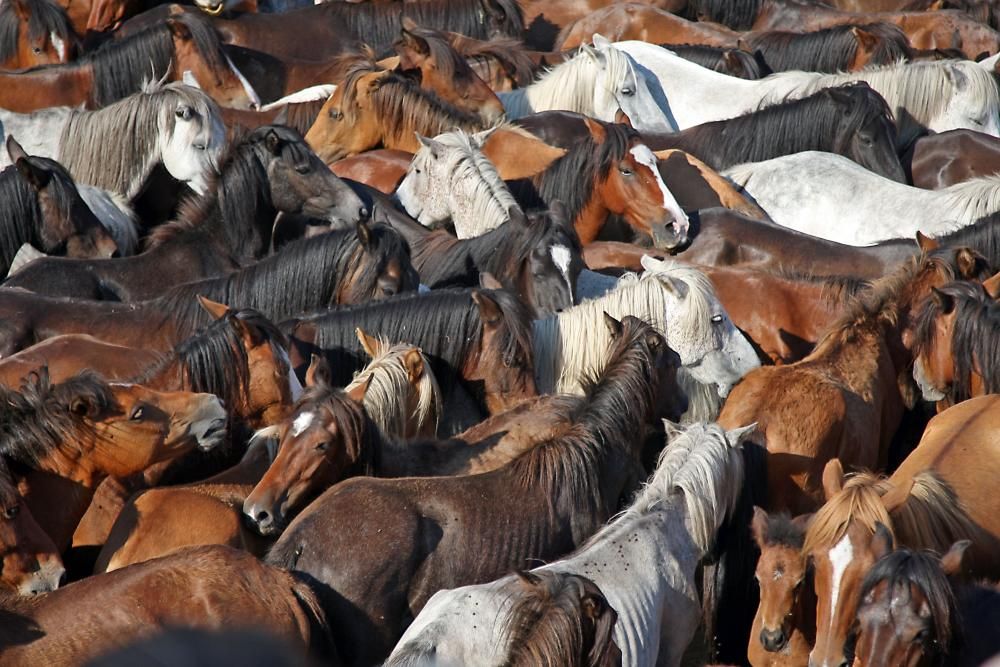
[596, 82]
[831, 197]
[676, 299]
[939, 96]
[117, 147]
[449, 179]
[643, 561]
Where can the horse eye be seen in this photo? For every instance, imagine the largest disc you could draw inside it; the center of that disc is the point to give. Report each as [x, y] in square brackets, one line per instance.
[716, 319]
[12, 511]
[628, 92]
[136, 414]
[336, 114]
[184, 113]
[625, 170]
[36, 49]
[303, 168]
[323, 446]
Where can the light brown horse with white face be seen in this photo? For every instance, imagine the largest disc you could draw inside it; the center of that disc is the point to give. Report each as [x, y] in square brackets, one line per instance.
[941, 493]
[29, 562]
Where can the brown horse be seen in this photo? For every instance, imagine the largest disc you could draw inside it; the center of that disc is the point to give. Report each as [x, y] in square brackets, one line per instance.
[939, 160]
[420, 535]
[955, 343]
[29, 562]
[543, 19]
[205, 587]
[784, 627]
[731, 61]
[842, 48]
[33, 33]
[501, 62]
[629, 20]
[857, 381]
[941, 493]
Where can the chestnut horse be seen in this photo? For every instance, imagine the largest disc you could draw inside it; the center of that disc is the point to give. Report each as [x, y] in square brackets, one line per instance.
[204, 587]
[29, 562]
[857, 380]
[33, 33]
[426, 534]
[941, 493]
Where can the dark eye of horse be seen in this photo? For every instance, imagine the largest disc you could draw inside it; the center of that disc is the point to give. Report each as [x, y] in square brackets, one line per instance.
[136, 414]
[323, 446]
[335, 114]
[11, 512]
[920, 637]
[184, 113]
[626, 170]
[303, 168]
[36, 49]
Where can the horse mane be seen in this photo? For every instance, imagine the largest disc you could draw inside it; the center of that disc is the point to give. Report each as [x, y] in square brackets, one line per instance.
[506, 50]
[736, 15]
[859, 500]
[836, 289]
[983, 236]
[714, 58]
[115, 147]
[922, 569]
[40, 417]
[830, 50]
[782, 531]
[448, 61]
[389, 384]
[571, 178]
[44, 16]
[21, 214]
[973, 199]
[975, 341]
[816, 122]
[300, 116]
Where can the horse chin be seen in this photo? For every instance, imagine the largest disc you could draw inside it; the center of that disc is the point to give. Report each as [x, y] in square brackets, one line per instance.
[45, 580]
[930, 393]
[666, 236]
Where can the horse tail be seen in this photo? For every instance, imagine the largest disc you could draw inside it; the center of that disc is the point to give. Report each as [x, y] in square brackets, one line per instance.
[321, 643]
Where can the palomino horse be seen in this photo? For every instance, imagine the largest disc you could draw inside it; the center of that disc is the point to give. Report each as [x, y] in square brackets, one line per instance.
[831, 197]
[29, 562]
[859, 377]
[341, 267]
[42, 206]
[229, 226]
[206, 587]
[75, 433]
[547, 501]
[784, 627]
[955, 343]
[33, 33]
[644, 561]
[940, 493]
[181, 49]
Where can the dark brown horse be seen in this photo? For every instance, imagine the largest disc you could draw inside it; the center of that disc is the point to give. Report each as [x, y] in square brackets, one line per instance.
[842, 48]
[271, 170]
[418, 536]
[29, 561]
[939, 160]
[734, 62]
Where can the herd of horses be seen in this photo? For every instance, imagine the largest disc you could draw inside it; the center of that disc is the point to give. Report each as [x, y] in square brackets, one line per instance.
[500, 332]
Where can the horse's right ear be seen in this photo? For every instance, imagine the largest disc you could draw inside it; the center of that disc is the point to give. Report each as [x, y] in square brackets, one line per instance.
[489, 309]
[415, 42]
[758, 526]
[14, 150]
[368, 343]
[944, 301]
[488, 281]
[882, 542]
[992, 286]
[318, 371]
[614, 326]
[865, 39]
[926, 243]
[433, 146]
[833, 478]
[951, 562]
[621, 118]
[179, 29]
[214, 308]
[516, 216]
[272, 142]
[596, 130]
[413, 362]
[37, 177]
[22, 10]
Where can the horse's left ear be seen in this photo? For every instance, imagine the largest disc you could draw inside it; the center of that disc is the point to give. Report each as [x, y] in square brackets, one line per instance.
[272, 142]
[364, 233]
[179, 29]
[413, 362]
[14, 150]
[23, 11]
[882, 542]
[926, 243]
[415, 42]
[833, 478]
[614, 326]
[214, 308]
[951, 562]
[357, 393]
[865, 39]
[897, 495]
[992, 286]
[38, 178]
[737, 436]
[488, 281]
[970, 264]
[368, 343]
[489, 309]
[596, 130]
[318, 371]
[621, 118]
[600, 41]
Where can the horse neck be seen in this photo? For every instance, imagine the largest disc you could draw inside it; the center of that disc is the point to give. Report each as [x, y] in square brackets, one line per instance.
[67, 85]
[590, 220]
[57, 504]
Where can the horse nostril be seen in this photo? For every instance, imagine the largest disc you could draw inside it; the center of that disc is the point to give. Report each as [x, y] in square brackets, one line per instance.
[263, 516]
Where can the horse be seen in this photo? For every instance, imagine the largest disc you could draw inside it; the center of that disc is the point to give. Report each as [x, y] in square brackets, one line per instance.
[934, 498]
[449, 179]
[204, 587]
[33, 33]
[183, 48]
[842, 48]
[734, 62]
[922, 95]
[954, 346]
[859, 374]
[42, 207]
[641, 21]
[172, 124]
[340, 267]
[478, 342]
[30, 561]
[831, 197]
[940, 160]
[537, 257]
[677, 300]
[596, 82]
[934, 620]
[271, 170]
[578, 477]
[784, 626]
[644, 562]
[851, 120]
[501, 62]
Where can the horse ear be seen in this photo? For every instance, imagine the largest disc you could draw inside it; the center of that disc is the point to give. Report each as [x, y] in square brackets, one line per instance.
[600, 41]
[603, 617]
[926, 243]
[833, 478]
[758, 526]
[368, 343]
[951, 562]
[318, 371]
[364, 233]
[882, 542]
[214, 308]
[479, 139]
[944, 301]
[516, 216]
[273, 142]
[840, 96]
[738, 435]
[970, 263]
[37, 177]
[802, 521]
[671, 430]
[992, 286]
[82, 406]
[614, 326]
[488, 281]
[433, 146]
[357, 392]
[559, 214]
[413, 362]
[489, 309]
[621, 118]
[865, 39]
[596, 130]
[897, 495]
[732, 60]
[179, 29]
[415, 42]
[14, 150]
[675, 286]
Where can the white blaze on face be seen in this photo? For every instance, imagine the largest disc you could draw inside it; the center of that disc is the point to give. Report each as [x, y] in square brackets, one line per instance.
[59, 45]
[561, 258]
[301, 423]
[247, 88]
[645, 157]
[840, 557]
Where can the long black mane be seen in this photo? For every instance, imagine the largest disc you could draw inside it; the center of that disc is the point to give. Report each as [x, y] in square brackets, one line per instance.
[830, 49]
[814, 123]
[735, 62]
[983, 236]
[44, 17]
[738, 15]
[975, 341]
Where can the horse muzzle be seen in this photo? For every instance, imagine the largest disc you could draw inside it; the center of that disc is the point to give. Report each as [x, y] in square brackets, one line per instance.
[667, 235]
